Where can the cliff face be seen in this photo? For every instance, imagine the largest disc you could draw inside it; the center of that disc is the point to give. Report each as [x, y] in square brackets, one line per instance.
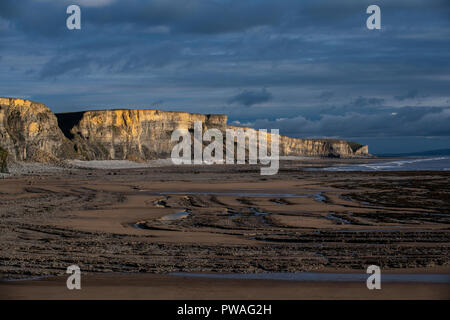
[3, 164]
[29, 131]
[130, 134]
[362, 151]
[315, 147]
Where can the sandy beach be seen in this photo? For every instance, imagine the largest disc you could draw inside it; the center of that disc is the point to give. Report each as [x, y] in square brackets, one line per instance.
[166, 287]
[128, 229]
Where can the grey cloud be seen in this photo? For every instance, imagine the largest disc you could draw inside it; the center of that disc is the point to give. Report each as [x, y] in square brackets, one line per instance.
[56, 67]
[324, 68]
[365, 102]
[157, 103]
[194, 16]
[112, 61]
[325, 96]
[208, 16]
[407, 122]
[412, 94]
[249, 97]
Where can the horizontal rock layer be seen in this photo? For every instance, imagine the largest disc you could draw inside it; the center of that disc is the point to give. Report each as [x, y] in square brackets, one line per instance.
[30, 131]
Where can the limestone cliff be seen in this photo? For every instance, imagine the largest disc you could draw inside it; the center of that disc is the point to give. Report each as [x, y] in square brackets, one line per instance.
[362, 151]
[316, 147]
[130, 134]
[29, 131]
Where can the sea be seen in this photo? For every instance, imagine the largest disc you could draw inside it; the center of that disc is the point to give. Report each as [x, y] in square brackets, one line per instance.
[410, 164]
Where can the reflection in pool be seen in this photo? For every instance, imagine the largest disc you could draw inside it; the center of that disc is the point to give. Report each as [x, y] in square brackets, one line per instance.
[175, 216]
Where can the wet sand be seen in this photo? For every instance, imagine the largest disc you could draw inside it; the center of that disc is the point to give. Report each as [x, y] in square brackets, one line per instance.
[235, 221]
[165, 287]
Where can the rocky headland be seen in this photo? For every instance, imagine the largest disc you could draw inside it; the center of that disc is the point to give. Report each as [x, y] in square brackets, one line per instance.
[30, 131]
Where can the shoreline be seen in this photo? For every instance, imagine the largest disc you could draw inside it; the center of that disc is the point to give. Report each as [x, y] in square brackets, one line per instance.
[30, 168]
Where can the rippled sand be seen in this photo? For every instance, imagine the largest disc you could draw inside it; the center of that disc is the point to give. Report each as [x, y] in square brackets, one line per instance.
[238, 222]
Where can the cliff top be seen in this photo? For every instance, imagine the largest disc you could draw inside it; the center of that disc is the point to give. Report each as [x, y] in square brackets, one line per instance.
[27, 103]
[329, 140]
[141, 109]
[17, 102]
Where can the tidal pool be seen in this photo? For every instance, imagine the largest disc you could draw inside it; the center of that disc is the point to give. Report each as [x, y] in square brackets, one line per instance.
[176, 216]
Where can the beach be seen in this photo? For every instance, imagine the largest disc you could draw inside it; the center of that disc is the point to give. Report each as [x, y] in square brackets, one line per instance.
[167, 287]
[130, 229]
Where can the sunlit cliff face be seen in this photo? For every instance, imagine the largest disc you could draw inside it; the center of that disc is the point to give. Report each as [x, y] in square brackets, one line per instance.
[30, 131]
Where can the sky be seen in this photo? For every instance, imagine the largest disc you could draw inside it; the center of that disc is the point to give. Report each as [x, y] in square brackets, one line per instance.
[308, 68]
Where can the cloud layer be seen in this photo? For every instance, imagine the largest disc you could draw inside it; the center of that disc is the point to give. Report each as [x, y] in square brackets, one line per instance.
[250, 98]
[306, 67]
[408, 121]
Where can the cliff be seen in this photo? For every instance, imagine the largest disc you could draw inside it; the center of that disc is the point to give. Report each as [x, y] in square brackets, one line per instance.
[130, 134]
[30, 131]
[316, 147]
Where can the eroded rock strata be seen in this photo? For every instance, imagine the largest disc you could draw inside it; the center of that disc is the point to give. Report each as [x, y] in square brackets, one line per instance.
[130, 134]
[3, 157]
[30, 131]
[316, 147]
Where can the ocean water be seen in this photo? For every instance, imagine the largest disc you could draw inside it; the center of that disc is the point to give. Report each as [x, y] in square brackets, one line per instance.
[413, 164]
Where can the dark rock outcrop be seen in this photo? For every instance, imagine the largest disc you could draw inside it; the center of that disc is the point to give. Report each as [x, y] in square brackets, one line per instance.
[3, 157]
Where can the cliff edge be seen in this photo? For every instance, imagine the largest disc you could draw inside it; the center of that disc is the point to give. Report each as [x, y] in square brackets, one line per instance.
[30, 131]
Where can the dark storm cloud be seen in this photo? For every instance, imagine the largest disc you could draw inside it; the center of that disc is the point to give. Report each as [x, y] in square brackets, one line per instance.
[330, 75]
[194, 16]
[249, 97]
[208, 16]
